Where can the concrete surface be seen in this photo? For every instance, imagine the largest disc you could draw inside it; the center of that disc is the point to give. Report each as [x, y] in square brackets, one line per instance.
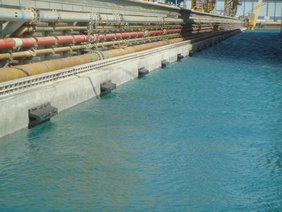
[68, 92]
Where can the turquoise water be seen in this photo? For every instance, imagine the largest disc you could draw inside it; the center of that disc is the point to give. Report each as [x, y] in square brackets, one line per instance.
[204, 134]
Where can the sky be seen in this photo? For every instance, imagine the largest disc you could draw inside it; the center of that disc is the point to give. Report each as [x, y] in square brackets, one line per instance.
[248, 7]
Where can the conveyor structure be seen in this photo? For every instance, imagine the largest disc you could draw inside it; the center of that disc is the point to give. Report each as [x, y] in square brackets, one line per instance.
[37, 38]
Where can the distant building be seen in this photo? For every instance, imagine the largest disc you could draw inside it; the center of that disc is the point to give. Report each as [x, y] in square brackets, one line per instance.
[270, 10]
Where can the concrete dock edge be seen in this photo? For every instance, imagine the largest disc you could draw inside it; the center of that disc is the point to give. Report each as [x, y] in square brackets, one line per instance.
[68, 92]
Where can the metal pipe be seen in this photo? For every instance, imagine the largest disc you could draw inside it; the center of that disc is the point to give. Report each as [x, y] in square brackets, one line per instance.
[29, 15]
[17, 72]
[60, 28]
[274, 10]
[44, 41]
[38, 52]
[7, 14]
[21, 31]
[69, 39]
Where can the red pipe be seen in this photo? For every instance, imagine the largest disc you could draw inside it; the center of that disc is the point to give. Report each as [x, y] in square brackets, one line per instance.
[110, 36]
[125, 35]
[100, 37]
[65, 39]
[172, 30]
[68, 39]
[156, 32]
[28, 42]
[140, 34]
[80, 38]
[44, 41]
[119, 35]
[7, 44]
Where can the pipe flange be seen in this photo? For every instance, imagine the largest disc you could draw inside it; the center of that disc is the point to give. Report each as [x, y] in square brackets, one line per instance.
[35, 14]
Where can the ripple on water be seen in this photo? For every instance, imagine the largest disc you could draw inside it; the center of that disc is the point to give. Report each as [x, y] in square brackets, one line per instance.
[202, 135]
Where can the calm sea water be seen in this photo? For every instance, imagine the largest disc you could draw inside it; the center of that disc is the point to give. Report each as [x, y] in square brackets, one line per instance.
[204, 134]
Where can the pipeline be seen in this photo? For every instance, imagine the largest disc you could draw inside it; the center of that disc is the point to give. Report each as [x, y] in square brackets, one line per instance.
[34, 16]
[37, 52]
[77, 29]
[17, 72]
[17, 43]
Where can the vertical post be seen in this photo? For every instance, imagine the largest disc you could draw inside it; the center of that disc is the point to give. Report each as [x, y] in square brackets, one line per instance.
[244, 8]
[184, 4]
[281, 23]
[267, 8]
[274, 10]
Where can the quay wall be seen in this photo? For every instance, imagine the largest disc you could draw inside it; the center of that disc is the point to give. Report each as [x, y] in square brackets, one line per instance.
[70, 91]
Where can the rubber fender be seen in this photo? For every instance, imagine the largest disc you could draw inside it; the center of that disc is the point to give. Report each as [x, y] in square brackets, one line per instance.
[7, 74]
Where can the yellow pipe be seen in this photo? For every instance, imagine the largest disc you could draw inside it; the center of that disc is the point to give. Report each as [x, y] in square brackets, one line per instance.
[44, 51]
[17, 72]
[7, 74]
[21, 31]
[5, 56]
[21, 54]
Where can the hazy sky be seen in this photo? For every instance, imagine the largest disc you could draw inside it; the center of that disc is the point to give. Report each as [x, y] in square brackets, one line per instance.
[248, 6]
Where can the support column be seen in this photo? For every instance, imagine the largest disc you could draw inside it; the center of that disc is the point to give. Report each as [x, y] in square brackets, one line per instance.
[244, 8]
[274, 10]
[281, 23]
[267, 8]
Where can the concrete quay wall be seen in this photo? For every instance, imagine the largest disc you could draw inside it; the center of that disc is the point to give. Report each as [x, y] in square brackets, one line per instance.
[70, 91]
